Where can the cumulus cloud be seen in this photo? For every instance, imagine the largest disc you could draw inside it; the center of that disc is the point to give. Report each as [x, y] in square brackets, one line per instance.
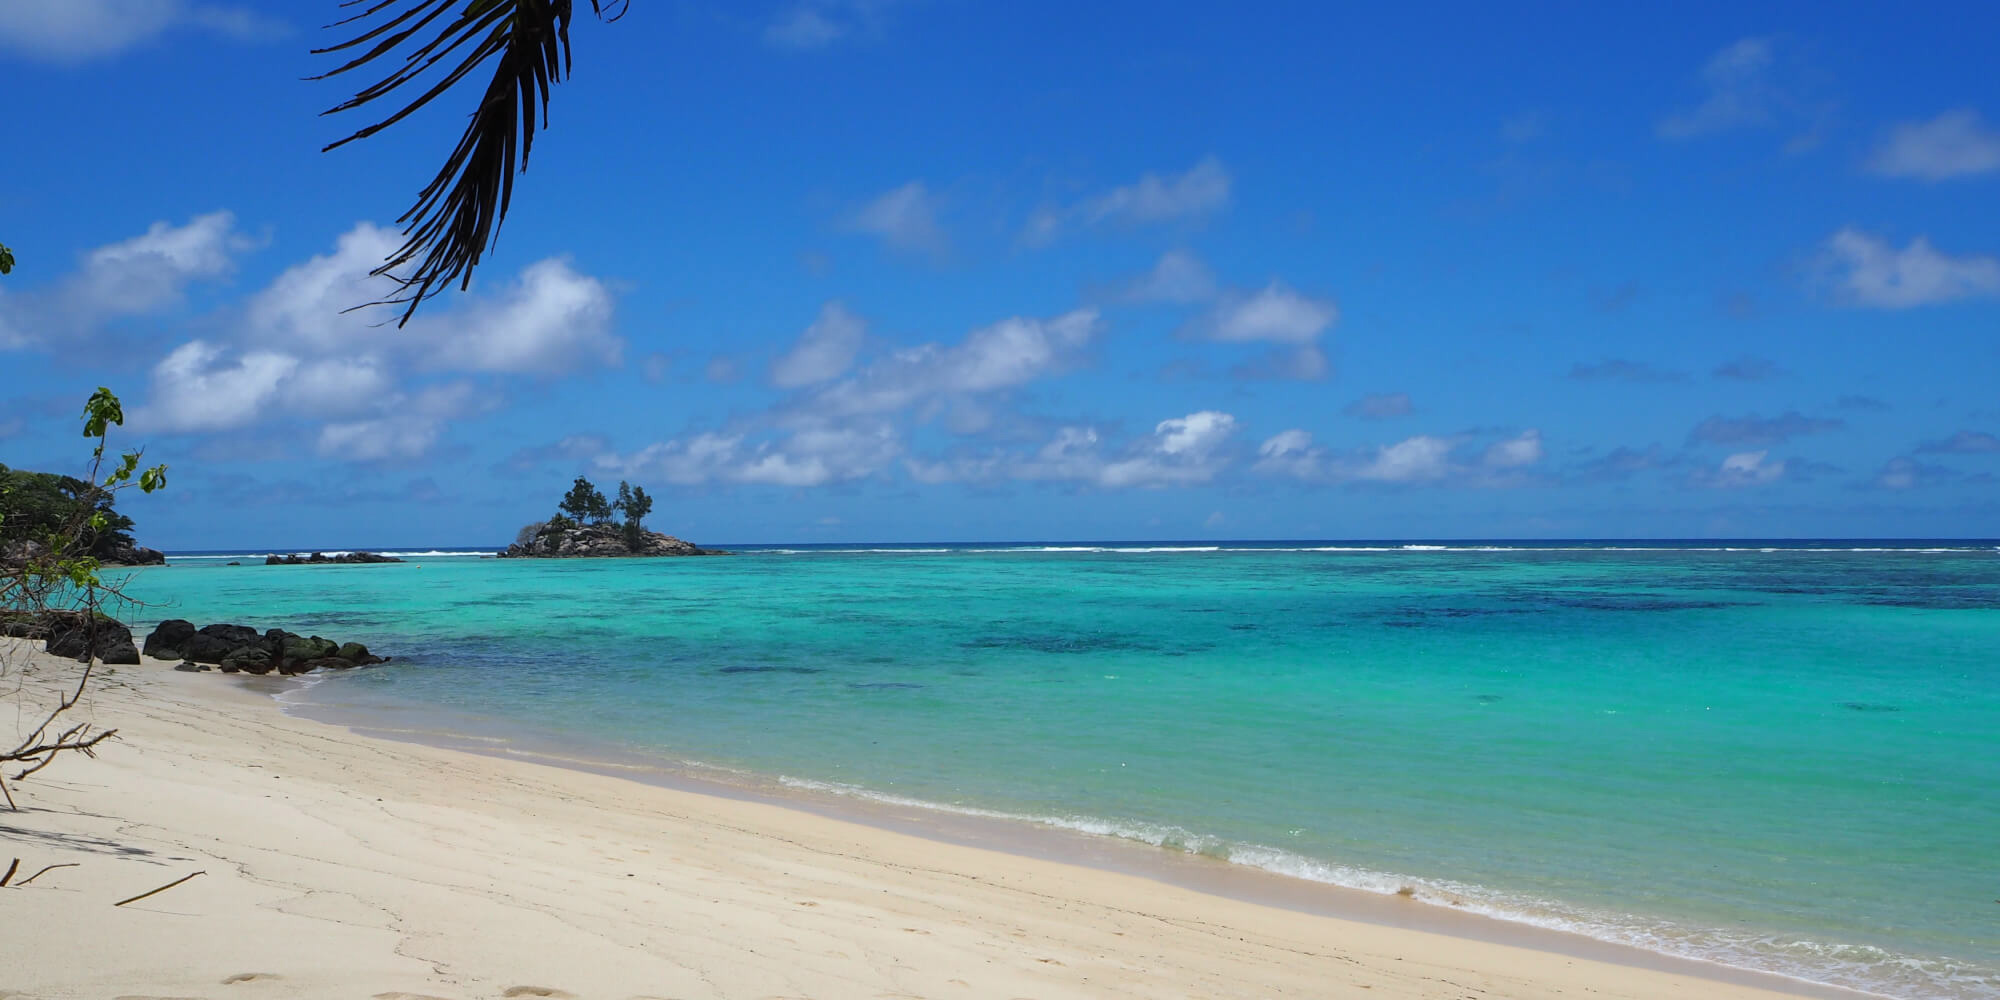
[1179, 277]
[1743, 469]
[193, 389]
[407, 431]
[1380, 406]
[1862, 270]
[1620, 370]
[1201, 190]
[1754, 430]
[813, 456]
[1180, 451]
[1275, 314]
[548, 320]
[1522, 449]
[291, 354]
[1963, 443]
[1954, 144]
[138, 276]
[1421, 459]
[72, 31]
[905, 218]
[994, 358]
[1738, 92]
[824, 351]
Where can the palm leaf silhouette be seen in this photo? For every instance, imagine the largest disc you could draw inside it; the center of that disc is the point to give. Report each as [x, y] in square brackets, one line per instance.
[457, 217]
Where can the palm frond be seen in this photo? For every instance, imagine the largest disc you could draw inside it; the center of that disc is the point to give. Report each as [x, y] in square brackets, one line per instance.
[457, 217]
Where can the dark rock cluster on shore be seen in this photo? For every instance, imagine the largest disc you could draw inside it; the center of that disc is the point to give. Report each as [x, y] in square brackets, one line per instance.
[242, 649]
[319, 558]
[75, 634]
[546, 539]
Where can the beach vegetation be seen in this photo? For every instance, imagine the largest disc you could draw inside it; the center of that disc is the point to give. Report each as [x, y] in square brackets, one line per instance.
[635, 504]
[51, 588]
[585, 503]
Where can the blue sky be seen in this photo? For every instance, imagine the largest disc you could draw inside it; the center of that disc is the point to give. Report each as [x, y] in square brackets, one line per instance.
[836, 271]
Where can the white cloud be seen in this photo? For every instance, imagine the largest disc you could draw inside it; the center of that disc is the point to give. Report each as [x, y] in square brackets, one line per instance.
[292, 353]
[1954, 144]
[549, 321]
[1863, 270]
[1275, 313]
[1002, 356]
[1515, 452]
[1179, 277]
[192, 391]
[1180, 451]
[1744, 469]
[1412, 460]
[1421, 459]
[1201, 190]
[138, 276]
[1739, 92]
[905, 218]
[69, 31]
[407, 430]
[814, 456]
[824, 351]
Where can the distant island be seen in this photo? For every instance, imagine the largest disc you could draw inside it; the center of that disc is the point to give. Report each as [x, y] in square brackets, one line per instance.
[319, 558]
[585, 525]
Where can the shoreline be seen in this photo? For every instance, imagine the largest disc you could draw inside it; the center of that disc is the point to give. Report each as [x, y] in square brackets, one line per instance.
[1031, 838]
[383, 867]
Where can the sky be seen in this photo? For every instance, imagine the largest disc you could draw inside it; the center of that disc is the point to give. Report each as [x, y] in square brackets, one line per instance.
[862, 270]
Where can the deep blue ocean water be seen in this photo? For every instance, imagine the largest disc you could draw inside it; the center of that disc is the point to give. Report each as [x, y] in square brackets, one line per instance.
[1782, 756]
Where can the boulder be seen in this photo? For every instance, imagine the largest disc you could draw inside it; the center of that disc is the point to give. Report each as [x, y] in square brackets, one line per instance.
[81, 637]
[321, 663]
[134, 555]
[168, 638]
[235, 635]
[356, 654]
[248, 659]
[204, 648]
[297, 650]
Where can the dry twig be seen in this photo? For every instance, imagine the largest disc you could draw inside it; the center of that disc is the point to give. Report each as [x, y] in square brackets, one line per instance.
[156, 892]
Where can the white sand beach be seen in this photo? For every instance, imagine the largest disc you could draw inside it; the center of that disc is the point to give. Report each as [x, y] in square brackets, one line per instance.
[339, 865]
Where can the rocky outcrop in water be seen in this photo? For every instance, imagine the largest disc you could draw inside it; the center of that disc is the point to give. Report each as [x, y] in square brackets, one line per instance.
[554, 539]
[242, 649]
[321, 558]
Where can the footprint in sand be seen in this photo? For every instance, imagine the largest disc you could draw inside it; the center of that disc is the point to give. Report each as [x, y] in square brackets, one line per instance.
[251, 977]
[405, 996]
[536, 991]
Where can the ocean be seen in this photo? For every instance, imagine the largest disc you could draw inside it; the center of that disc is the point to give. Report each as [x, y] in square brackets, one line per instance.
[1780, 756]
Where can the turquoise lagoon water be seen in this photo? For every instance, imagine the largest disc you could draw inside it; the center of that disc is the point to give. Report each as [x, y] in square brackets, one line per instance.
[1783, 757]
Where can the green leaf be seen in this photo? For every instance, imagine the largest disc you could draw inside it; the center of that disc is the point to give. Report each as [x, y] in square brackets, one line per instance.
[102, 410]
[6, 259]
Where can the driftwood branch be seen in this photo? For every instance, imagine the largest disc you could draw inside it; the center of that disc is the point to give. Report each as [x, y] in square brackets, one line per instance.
[45, 870]
[156, 892]
[11, 869]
